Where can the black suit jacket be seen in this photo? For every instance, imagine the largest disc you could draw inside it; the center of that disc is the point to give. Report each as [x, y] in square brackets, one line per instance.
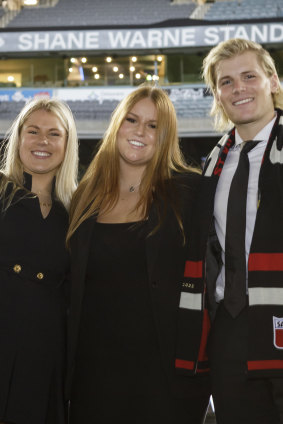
[166, 256]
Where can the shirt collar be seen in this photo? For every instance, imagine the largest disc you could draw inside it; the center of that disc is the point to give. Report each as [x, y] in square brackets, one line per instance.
[28, 182]
[263, 135]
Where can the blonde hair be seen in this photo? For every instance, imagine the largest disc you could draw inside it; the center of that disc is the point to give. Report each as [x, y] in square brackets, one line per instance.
[100, 183]
[227, 50]
[66, 176]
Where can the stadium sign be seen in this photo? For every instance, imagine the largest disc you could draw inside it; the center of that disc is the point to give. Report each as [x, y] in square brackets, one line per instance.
[137, 39]
[15, 95]
[99, 94]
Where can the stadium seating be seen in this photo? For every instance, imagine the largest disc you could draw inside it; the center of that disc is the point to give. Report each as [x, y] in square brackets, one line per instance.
[195, 108]
[192, 106]
[94, 12]
[93, 109]
[9, 110]
[243, 9]
[68, 13]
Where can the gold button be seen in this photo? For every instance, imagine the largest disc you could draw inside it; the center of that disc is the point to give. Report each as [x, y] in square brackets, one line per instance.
[17, 268]
[40, 275]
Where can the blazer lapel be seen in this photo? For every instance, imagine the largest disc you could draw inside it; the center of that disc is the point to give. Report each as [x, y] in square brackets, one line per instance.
[79, 253]
[79, 257]
[152, 242]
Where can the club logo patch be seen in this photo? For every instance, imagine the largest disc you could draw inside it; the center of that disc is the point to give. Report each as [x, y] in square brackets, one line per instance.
[278, 332]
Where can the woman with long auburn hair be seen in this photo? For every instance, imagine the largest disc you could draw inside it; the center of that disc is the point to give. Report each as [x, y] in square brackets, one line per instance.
[129, 228]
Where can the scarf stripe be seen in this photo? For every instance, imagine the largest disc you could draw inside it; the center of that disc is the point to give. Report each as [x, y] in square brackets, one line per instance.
[265, 296]
[266, 262]
[265, 364]
[193, 269]
[186, 365]
[191, 301]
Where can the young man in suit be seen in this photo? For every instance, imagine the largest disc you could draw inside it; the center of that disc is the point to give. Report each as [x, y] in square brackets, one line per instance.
[236, 257]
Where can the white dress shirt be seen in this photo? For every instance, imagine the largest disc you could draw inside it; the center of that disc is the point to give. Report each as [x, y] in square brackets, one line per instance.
[222, 193]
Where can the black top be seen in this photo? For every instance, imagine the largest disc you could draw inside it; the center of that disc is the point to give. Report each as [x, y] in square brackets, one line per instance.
[116, 310]
[33, 265]
[118, 352]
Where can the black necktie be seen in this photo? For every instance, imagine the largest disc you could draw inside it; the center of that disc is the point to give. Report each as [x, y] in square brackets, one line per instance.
[235, 255]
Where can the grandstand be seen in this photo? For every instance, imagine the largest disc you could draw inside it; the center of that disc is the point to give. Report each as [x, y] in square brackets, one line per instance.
[92, 52]
[240, 10]
[68, 13]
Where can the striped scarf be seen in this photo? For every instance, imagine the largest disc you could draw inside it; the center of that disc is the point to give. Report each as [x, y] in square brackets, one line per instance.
[265, 267]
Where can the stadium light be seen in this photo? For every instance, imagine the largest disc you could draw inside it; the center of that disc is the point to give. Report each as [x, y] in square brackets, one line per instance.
[30, 2]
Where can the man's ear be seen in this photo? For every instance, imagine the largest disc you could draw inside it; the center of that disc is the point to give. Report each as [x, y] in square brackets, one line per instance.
[274, 83]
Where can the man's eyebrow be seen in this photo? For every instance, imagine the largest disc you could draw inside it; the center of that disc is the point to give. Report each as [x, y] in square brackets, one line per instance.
[241, 73]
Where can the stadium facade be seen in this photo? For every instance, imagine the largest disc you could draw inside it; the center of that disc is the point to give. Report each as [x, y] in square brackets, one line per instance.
[92, 53]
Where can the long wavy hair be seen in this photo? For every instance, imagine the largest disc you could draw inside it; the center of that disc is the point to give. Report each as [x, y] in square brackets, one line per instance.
[11, 165]
[227, 50]
[100, 184]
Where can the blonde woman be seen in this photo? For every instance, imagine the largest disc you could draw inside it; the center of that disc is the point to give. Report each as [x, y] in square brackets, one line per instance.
[37, 180]
[130, 225]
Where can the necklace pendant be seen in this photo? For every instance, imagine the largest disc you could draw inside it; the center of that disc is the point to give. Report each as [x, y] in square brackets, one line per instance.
[131, 189]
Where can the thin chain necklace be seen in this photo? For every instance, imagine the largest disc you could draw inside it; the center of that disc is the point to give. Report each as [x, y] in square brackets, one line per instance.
[44, 203]
[133, 187]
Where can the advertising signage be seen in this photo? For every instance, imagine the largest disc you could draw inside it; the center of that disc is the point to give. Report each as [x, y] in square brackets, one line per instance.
[138, 39]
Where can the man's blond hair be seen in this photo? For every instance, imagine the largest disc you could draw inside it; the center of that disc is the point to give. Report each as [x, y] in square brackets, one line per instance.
[227, 50]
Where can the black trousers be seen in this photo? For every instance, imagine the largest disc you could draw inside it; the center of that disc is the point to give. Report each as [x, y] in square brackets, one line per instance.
[237, 399]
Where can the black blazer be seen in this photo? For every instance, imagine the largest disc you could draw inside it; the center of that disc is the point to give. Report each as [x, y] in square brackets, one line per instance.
[166, 256]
